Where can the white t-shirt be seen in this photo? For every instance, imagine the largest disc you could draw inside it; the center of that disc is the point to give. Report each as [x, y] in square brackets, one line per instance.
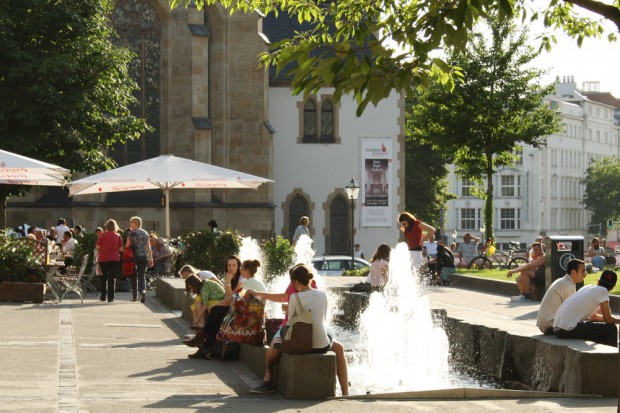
[206, 275]
[69, 246]
[560, 290]
[314, 301]
[579, 306]
[469, 250]
[431, 247]
[60, 232]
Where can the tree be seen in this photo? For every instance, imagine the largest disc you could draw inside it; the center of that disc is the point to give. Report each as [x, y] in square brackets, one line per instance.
[497, 107]
[426, 192]
[602, 192]
[64, 87]
[370, 47]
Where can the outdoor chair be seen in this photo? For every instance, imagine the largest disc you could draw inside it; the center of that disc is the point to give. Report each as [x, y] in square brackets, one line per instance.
[87, 280]
[73, 282]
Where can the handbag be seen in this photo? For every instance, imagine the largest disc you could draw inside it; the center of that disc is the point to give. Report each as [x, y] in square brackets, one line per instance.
[244, 322]
[297, 333]
[127, 265]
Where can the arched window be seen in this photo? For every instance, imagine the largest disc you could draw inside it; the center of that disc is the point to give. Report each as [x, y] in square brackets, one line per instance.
[340, 227]
[297, 208]
[310, 120]
[327, 121]
[137, 25]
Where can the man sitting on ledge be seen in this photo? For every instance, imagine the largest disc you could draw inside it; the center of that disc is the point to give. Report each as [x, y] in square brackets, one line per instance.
[558, 292]
[532, 272]
[578, 316]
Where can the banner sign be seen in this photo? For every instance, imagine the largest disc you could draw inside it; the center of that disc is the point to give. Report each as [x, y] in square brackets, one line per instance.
[376, 182]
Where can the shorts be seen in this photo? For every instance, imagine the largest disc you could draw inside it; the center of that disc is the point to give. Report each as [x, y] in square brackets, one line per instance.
[539, 276]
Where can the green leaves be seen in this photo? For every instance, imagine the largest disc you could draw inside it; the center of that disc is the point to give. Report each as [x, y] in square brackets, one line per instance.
[602, 189]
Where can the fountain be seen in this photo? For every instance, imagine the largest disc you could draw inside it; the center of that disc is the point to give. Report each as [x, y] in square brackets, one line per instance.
[396, 340]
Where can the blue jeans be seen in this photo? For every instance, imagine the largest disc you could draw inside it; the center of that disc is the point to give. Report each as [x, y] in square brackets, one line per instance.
[138, 284]
[598, 262]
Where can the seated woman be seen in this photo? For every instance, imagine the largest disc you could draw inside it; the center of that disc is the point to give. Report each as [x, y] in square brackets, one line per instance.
[596, 254]
[210, 293]
[207, 336]
[185, 272]
[379, 268]
[314, 301]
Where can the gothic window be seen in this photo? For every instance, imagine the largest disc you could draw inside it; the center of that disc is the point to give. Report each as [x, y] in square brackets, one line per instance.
[327, 120]
[310, 121]
[340, 227]
[139, 30]
[297, 208]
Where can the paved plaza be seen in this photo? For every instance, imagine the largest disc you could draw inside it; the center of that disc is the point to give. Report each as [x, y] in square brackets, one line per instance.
[128, 357]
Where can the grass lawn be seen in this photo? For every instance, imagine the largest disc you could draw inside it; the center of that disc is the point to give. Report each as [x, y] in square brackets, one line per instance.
[591, 278]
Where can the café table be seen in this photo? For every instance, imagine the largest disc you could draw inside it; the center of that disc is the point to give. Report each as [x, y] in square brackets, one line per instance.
[52, 269]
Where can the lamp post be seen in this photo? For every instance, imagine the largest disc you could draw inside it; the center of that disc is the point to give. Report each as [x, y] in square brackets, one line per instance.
[353, 190]
[454, 235]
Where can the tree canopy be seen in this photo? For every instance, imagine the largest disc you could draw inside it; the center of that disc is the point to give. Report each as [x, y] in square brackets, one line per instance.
[602, 189]
[64, 86]
[497, 108]
[371, 47]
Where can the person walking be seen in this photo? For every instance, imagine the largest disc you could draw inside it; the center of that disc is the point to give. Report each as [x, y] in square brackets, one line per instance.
[138, 239]
[109, 247]
[302, 229]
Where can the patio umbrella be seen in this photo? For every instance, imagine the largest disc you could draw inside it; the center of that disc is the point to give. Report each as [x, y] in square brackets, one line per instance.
[165, 172]
[21, 170]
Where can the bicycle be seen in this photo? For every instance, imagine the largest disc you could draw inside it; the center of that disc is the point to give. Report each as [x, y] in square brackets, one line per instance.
[503, 260]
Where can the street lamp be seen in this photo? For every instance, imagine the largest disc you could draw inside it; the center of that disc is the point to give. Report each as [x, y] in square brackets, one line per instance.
[454, 235]
[353, 190]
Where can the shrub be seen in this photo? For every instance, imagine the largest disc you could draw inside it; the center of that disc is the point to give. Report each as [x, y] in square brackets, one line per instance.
[18, 260]
[207, 250]
[85, 245]
[279, 256]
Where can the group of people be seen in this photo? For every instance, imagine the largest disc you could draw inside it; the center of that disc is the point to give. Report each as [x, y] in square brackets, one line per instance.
[584, 313]
[215, 303]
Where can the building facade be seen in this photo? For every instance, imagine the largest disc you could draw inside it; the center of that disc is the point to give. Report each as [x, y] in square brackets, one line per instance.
[207, 99]
[543, 193]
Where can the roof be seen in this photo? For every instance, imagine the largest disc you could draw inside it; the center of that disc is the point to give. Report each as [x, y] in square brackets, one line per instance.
[605, 98]
[285, 26]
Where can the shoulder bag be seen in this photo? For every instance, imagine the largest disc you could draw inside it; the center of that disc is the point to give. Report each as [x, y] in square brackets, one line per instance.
[297, 333]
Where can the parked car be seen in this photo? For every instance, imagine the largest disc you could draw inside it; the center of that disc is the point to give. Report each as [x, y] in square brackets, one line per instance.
[337, 264]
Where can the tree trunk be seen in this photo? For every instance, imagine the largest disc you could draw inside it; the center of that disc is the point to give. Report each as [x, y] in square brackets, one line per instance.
[488, 203]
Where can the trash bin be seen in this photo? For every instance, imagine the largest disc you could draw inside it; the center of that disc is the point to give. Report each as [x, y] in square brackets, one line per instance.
[563, 249]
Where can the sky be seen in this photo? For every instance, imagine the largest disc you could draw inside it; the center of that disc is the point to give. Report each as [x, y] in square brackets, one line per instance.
[596, 60]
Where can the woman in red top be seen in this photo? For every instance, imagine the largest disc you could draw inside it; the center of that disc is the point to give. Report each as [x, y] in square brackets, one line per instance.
[416, 232]
[109, 247]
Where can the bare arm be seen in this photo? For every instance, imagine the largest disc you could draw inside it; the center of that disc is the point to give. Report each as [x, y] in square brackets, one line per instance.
[427, 230]
[605, 315]
[277, 297]
[534, 264]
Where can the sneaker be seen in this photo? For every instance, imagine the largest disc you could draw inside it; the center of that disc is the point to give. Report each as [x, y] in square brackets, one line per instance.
[265, 388]
[142, 297]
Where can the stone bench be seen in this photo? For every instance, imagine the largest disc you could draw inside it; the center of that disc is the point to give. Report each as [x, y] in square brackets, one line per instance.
[306, 376]
[297, 376]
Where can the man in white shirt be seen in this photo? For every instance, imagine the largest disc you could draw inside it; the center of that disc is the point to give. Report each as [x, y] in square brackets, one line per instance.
[586, 314]
[558, 292]
[61, 228]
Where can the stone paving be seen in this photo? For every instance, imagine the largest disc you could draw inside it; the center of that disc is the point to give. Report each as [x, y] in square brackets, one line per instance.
[128, 357]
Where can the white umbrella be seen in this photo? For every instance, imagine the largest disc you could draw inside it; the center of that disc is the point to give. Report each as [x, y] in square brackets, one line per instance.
[20, 170]
[165, 172]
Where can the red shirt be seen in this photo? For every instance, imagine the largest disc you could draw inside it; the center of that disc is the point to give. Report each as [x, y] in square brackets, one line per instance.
[413, 236]
[109, 243]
